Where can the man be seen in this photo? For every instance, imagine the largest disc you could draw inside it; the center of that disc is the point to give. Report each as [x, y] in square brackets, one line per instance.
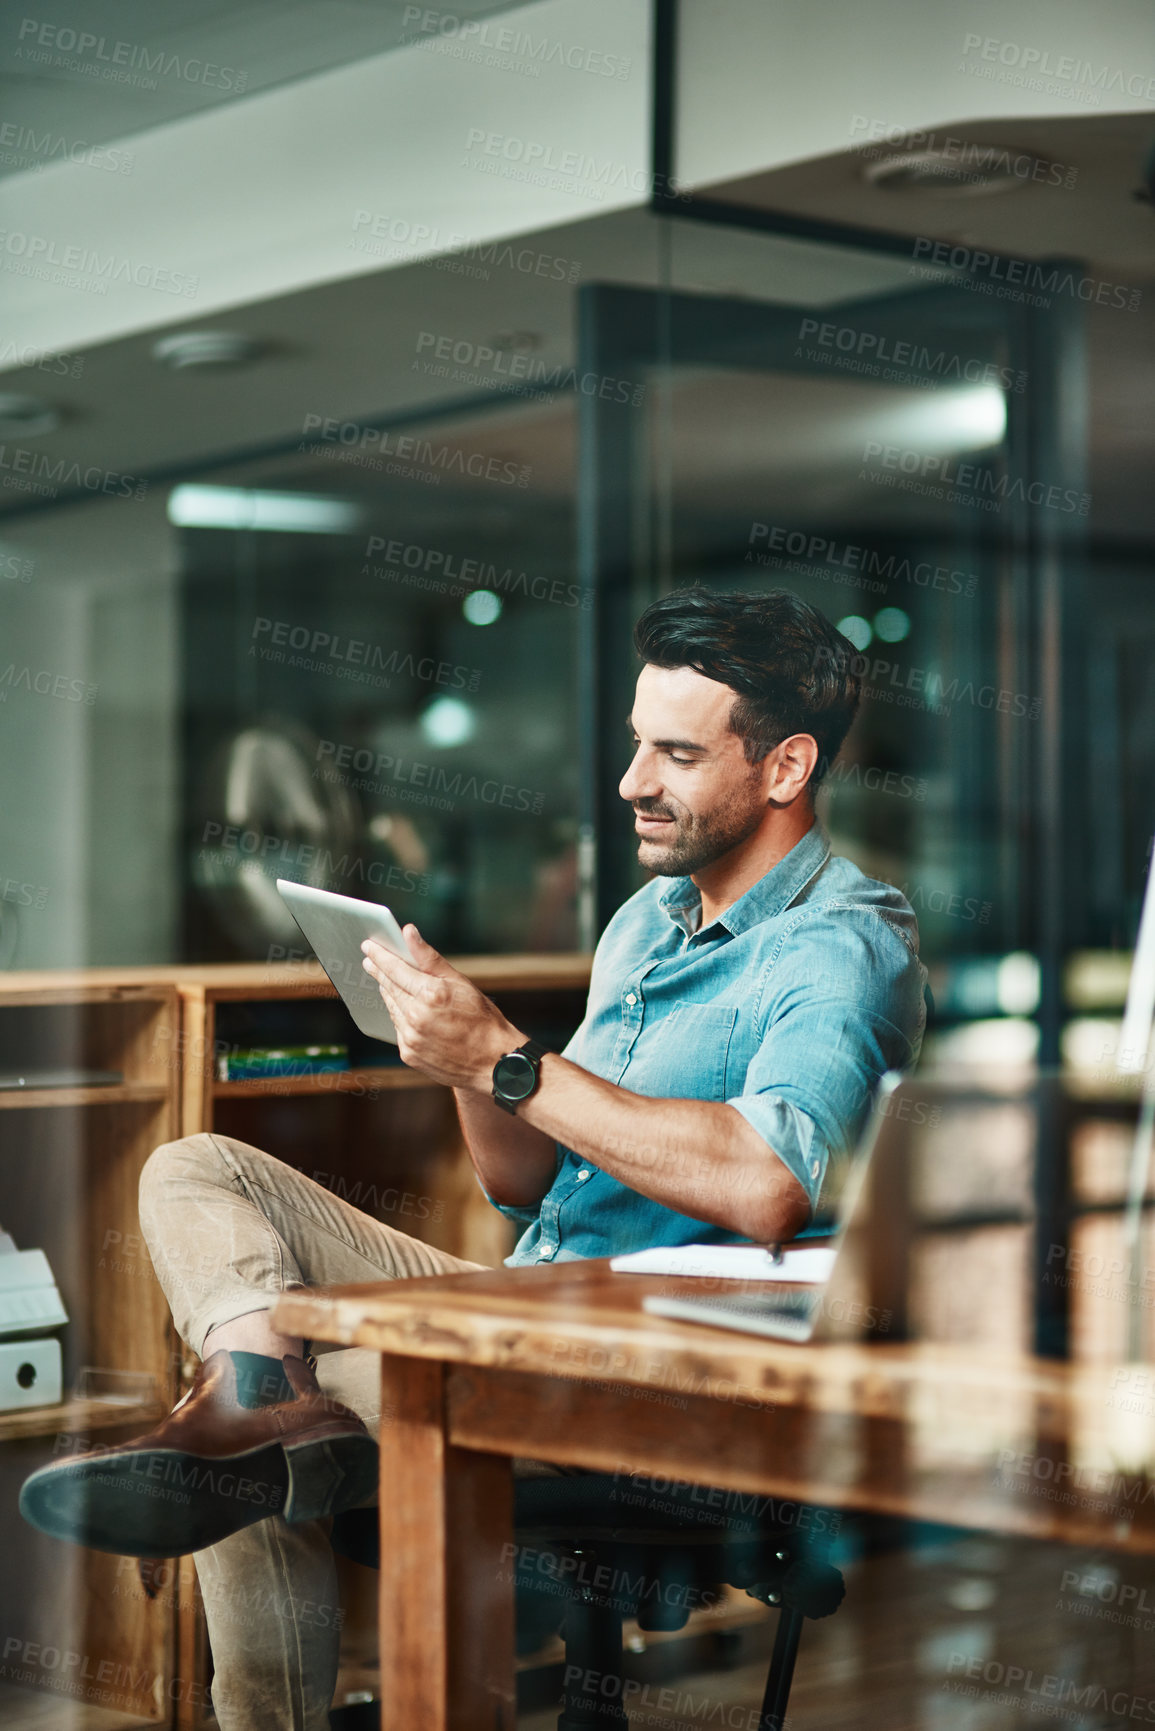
[742, 1006]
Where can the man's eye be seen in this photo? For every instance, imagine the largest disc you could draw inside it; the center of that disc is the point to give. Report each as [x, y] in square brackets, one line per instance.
[680, 760]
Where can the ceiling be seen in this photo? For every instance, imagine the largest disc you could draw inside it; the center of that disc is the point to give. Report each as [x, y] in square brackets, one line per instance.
[1073, 186]
[354, 350]
[106, 69]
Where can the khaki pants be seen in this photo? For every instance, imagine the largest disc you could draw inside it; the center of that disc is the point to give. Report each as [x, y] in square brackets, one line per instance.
[229, 1229]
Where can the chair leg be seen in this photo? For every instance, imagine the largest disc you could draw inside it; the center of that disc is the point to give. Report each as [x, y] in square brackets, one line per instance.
[593, 1652]
[781, 1676]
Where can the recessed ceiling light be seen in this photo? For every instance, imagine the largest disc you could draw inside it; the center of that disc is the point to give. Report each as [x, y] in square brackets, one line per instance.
[185, 349]
[26, 417]
[974, 170]
[193, 506]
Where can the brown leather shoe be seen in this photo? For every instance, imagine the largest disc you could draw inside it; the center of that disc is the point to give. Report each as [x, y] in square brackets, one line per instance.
[212, 1467]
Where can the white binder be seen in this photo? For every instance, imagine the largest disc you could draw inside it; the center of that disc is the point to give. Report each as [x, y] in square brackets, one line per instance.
[30, 1301]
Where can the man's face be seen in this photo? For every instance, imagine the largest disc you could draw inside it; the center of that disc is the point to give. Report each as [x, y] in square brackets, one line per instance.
[694, 795]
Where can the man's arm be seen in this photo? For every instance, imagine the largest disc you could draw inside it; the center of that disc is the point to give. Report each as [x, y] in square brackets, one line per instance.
[697, 1157]
[514, 1161]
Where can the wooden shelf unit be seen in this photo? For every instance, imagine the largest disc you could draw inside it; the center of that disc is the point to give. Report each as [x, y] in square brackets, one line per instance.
[369, 1133]
[70, 1160]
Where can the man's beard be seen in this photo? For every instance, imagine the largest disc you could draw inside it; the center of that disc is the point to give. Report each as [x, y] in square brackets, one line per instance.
[698, 840]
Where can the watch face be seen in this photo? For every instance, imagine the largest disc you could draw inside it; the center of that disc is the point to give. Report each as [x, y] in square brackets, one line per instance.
[515, 1076]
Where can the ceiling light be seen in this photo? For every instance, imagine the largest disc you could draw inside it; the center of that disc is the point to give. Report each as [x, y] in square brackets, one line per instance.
[892, 625]
[856, 628]
[184, 349]
[195, 507]
[974, 170]
[448, 721]
[482, 607]
[26, 417]
[971, 419]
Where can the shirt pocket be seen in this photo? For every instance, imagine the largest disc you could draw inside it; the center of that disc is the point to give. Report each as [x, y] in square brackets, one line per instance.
[687, 1053]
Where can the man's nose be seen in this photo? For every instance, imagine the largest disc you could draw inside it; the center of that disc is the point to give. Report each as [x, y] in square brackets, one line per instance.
[639, 781]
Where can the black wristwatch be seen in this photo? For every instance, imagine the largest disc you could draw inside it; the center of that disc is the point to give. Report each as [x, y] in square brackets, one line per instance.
[517, 1074]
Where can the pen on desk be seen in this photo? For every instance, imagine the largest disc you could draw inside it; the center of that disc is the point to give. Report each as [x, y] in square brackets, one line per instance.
[775, 1253]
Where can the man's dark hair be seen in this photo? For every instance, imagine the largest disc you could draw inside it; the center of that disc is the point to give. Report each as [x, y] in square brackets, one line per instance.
[792, 670]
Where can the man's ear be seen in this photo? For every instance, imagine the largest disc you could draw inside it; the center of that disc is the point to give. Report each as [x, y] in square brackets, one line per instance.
[789, 768]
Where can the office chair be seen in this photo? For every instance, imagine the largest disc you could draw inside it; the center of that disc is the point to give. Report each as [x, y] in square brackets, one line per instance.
[596, 1548]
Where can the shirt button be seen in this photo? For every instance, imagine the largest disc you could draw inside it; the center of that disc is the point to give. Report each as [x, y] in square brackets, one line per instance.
[814, 1169]
[631, 998]
[584, 1173]
[544, 1250]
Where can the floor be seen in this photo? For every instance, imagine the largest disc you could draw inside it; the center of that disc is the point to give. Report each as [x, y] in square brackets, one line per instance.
[939, 1631]
[954, 1633]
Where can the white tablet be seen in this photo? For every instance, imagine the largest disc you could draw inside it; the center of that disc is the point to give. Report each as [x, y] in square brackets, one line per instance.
[336, 927]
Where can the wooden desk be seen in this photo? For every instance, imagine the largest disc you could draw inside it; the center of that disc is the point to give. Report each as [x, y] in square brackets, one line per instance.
[563, 1364]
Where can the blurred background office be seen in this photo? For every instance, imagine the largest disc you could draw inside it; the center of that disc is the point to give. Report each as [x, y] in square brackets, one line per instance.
[366, 368]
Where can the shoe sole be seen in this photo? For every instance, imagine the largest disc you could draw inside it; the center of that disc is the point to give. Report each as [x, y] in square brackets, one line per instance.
[167, 1503]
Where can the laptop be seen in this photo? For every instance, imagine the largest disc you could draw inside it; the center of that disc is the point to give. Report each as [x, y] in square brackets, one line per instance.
[863, 1296]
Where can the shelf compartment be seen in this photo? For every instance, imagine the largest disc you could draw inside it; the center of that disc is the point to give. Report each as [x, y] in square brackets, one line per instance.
[111, 1094]
[78, 1418]
[369, 1082]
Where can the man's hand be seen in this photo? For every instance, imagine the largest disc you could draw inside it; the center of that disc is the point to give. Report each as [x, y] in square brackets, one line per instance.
[445, 1026]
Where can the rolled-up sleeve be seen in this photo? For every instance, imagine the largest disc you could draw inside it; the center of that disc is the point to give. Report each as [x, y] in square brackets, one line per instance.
[847, 1006]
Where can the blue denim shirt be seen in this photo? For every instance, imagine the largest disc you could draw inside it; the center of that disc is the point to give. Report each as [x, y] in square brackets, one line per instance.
[789, 1007]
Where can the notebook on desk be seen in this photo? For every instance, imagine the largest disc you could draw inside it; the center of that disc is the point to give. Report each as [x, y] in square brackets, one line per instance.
[850, 1303]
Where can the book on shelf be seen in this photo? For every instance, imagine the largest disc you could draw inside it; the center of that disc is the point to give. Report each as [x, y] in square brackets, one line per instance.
[250, 1063]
